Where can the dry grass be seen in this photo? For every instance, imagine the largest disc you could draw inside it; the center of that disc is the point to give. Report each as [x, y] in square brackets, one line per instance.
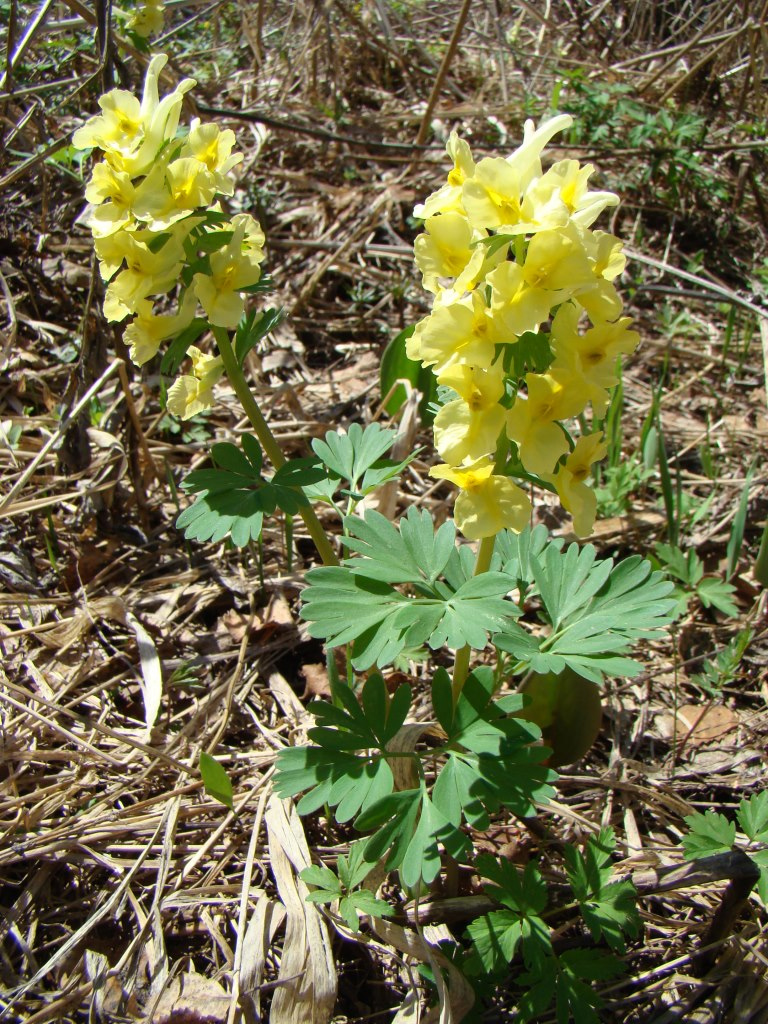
[126, 892]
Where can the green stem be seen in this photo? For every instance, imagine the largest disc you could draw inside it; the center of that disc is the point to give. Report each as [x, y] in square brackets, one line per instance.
[461, 663]
[267, 438]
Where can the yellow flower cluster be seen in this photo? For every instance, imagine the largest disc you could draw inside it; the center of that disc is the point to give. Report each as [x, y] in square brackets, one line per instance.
[155, 218]
[508, 251]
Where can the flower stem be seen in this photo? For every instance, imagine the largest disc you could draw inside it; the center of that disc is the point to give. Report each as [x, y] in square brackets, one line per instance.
[461, 662]
[267, 438]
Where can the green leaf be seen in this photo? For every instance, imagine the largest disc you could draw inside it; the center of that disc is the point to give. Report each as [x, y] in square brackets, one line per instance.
[531, 352]
[215, 779]
[396, 366]
[608, 907]
[710, 833]
[252, 328]
[349, 455]
[233, 496]
[597, 611]
[495, 938]
[365, 902]
[715, 593]
[328, 775]
[357, 602]
[328, 884]
[752, 815]
[522, 890]
[410, 827]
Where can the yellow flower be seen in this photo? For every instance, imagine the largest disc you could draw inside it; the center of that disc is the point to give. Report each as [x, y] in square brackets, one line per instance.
[110, 251]
[488, 502]
[193, 393]
[443, 249]
[456, 331]
[531, 422]
[146, 273]
[116, 186]
[469, 427]
[516, 307]
[130, 133]
[591, 356]
[448, 197]
[168, 194]
[213, 147]
[147, 330]
[148, 18]
[233, 268]
[556, 261]
[493, 194]
[117, 129]
[575, 495]
[561, 195]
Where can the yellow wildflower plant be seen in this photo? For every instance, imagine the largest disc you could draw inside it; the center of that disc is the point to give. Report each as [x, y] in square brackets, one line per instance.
[155, 216]
[513, 318]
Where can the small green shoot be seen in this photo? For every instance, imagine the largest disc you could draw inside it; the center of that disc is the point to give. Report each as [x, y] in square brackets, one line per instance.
[724, 668]
[216, 781]
[341, 885]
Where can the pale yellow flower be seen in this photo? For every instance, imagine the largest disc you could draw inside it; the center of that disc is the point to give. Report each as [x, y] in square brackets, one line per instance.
[448, 197]
[146, 273]
[468, 427]
[458, 330]
[145, 333]
[516, 306]
[488, 502]
[169, 194]
[532, 421]
[119, 127]
[148, 18]
[213, 147]
[233, 268]
[556, 261]
[591, 356]
[576, 496]
[192, 393]
[493, 195]
[561, 195]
